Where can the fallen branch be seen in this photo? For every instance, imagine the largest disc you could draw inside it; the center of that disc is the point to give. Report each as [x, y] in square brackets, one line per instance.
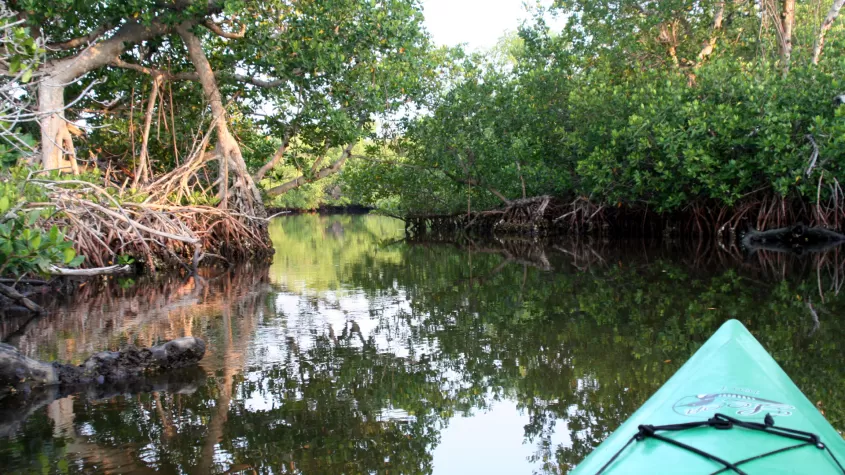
[110, 270]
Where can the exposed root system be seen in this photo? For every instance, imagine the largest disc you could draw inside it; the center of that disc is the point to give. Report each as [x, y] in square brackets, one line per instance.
[548, 216]
[156, 224]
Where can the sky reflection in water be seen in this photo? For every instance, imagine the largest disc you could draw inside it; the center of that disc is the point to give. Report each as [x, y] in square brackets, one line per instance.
[359, 352]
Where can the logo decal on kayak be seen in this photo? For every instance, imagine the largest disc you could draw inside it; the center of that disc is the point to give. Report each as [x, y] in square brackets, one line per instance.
[742, 404]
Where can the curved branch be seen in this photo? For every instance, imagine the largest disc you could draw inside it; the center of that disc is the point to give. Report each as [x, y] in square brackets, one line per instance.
[218, 30]
[82, 40]
[19, 297]
[193, 76]
[302, 180]
[254, 81]
[826, 25]
[66, 70]
[280, 153]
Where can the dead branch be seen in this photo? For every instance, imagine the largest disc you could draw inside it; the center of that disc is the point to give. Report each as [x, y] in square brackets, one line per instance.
[815, 155]
[110, 270]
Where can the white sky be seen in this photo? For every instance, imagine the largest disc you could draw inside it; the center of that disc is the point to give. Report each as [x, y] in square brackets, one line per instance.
[478, 23]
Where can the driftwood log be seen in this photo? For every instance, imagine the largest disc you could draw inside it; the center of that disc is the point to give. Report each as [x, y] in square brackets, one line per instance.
[18, 370]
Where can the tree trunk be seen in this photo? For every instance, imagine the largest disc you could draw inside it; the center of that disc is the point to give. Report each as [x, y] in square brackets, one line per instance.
[56, 141]
[144, 167]
[826, 25]
[244, 195]
[787, 20]
[57, 151]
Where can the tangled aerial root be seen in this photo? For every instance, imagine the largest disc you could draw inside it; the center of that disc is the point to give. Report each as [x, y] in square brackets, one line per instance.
[103, 228]
[549, 216]
[157, 222]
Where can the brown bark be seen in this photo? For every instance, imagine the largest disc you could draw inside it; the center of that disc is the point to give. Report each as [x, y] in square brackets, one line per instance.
[787, 21]
[81, 41]
[143, 175]
[244, 195]
[323, 173]
[818, 46]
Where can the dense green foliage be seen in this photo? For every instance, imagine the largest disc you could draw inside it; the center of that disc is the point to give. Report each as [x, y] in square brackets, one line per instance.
[24, 246]
[320, 71]
[219, 100]
[640, 103]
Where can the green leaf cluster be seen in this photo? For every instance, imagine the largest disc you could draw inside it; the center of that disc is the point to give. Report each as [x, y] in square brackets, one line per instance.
[24, 246]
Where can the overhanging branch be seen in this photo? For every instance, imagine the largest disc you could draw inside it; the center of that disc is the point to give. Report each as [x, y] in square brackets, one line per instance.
[219, 31]
[193, 76]
[325, 172]
[82, 40]
[277, 157]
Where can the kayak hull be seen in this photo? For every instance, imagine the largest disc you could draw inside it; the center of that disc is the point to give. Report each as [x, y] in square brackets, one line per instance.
[731, 374]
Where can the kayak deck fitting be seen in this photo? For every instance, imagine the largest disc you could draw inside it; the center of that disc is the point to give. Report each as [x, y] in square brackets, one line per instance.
[729, 409]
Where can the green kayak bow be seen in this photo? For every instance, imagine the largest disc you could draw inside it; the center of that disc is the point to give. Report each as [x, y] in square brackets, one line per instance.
[730, 409]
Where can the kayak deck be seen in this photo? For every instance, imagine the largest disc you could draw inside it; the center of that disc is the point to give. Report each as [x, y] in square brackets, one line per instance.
[732, 375]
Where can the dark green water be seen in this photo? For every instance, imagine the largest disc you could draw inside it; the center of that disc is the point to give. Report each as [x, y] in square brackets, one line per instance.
[357, 352]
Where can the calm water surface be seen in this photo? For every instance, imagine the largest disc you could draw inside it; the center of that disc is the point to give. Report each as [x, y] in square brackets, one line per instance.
[359, 352]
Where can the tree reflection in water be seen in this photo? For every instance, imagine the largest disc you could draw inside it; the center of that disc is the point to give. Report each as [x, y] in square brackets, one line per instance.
[355, 349]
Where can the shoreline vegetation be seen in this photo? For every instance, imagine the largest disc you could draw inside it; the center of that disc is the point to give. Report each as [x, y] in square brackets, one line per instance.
[146, 136]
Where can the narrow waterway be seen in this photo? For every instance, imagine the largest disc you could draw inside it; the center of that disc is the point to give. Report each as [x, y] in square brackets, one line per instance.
[357, 351]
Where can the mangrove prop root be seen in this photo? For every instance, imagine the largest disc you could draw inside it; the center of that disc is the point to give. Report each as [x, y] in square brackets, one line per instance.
[17, 369]
[158, 232]
[549, 216]
[20, 298]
